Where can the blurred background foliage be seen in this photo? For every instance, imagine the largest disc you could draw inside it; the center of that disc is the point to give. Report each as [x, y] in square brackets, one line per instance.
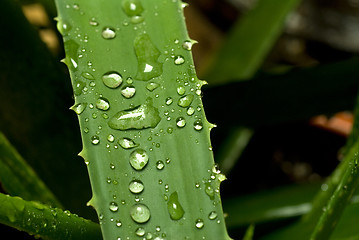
[283, 81]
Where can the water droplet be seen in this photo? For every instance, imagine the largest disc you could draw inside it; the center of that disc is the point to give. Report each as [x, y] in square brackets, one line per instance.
[137, 19]
[212, 215]
[174, 207]
[128, 91]
[79, 108]
[149, 236]
[71, 48]
[169, 101]
[209, 190]
[113, 206]
[179, 60]
[95, 140]
[136, 186]
[110, 138]
[112, 166]
[170, 130]
[88, 76]
[93, 22]
[147, 56]
[187, 45]
[127, 143]
[143, 116]
[102, 104]
[138, 159]
[160, 165]
[140, 213]
[140, 232]
[108, 33]
[152, 86]
[132, 7]
[185, 101]
[181, 90]
[199, 223]
[198, 125]
[112, 79]
[181, 122]
[118, 223]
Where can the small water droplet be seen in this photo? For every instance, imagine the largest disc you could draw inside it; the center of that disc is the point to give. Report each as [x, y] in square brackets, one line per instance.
[95, 140]
[136, 186]
[118, 223]
[181, 90]
[170, 130]
[198, 125]
[140, 213]
[78, 87]
[93, 22]
[185, 101]
[79, 108]
[128, 91]
[169, 101]
[212, 215]
[174, 207]
[209, 190]
[152, 86]
[179, 60]
[190, 111]
[113, 206]
[112, 166]
[180, 122]
[112, 79]
[187, 45]
[102, 104]
[127, 143]
[137, 19]
[110, 138]
[138, 159]
[140, 232]
[160, 165]
[199, 223]
[132, 7]
[88, 75]
[108, 33]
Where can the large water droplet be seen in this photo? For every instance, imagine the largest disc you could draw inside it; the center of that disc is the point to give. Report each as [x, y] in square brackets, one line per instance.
[128, 91]
[212, 215]
[180, 122]
[147, 57]
[102, 104]
[132, 7]
[113, 206]
[198, 125]
[136, 186]
[140, 213]
[143, 116]
[199, 223]
[138, 159]
[112, 79]
[127, 143]
[108, 33]
[79, 108]
[185, 101]
[174, 207]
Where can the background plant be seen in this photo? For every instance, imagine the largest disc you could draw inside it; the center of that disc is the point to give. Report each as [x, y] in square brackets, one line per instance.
[264, 103]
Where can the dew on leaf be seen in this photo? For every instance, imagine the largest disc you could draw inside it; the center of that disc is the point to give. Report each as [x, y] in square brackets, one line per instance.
[79, 108]
[160, 165]
[180, 122]
[198, 125]
[199, 223]
[95, 140]
[127, 143]
[108, 33]
[212, 215]
[112, 79]
[185, 101]
[181, 90]
[137, 19]
[190, 111]
[138, 159]
[128, 91]
[187, 45]
[113, 207]
[179, 60]
[174, 207]
[169, 101]
[152, 86]
[136, 186]
[102, 104]
[140, 232]
[132, 7]
[140, 213]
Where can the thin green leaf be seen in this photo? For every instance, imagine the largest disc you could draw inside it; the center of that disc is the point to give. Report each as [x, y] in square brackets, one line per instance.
[249, 233]
[249, 41]
[45, 222]
[19, 179]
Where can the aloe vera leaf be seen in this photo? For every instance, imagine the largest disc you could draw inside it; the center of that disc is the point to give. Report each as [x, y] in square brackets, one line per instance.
[287, 97]
[42, 221]
[157, 135]
[19, 179]
[346, 228]
[33, 112]
[249, 41]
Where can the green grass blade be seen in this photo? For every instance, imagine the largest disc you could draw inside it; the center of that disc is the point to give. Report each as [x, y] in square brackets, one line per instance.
[19, 179]
[158, 136]
[249, 41]
[45, 222]
[249, 233]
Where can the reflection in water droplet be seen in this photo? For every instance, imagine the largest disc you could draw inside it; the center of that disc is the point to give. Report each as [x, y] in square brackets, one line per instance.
[181, 122]
[160, 165]
[140, 213]
[187, 45]
[79, 108]
[198, 125]
[136, 186]
[113, 206]
[127, 143]
[132, 7]
[199, 223]
[128, 91]
[212, 215]
[143, 116]
[95, 140]
[179, 60]
[147, 57]
[112, 79]
[140, 232]
[102, 104]
[108, 33]
[174, 207]
[138, 159]
[181, 90]
[185, 101]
